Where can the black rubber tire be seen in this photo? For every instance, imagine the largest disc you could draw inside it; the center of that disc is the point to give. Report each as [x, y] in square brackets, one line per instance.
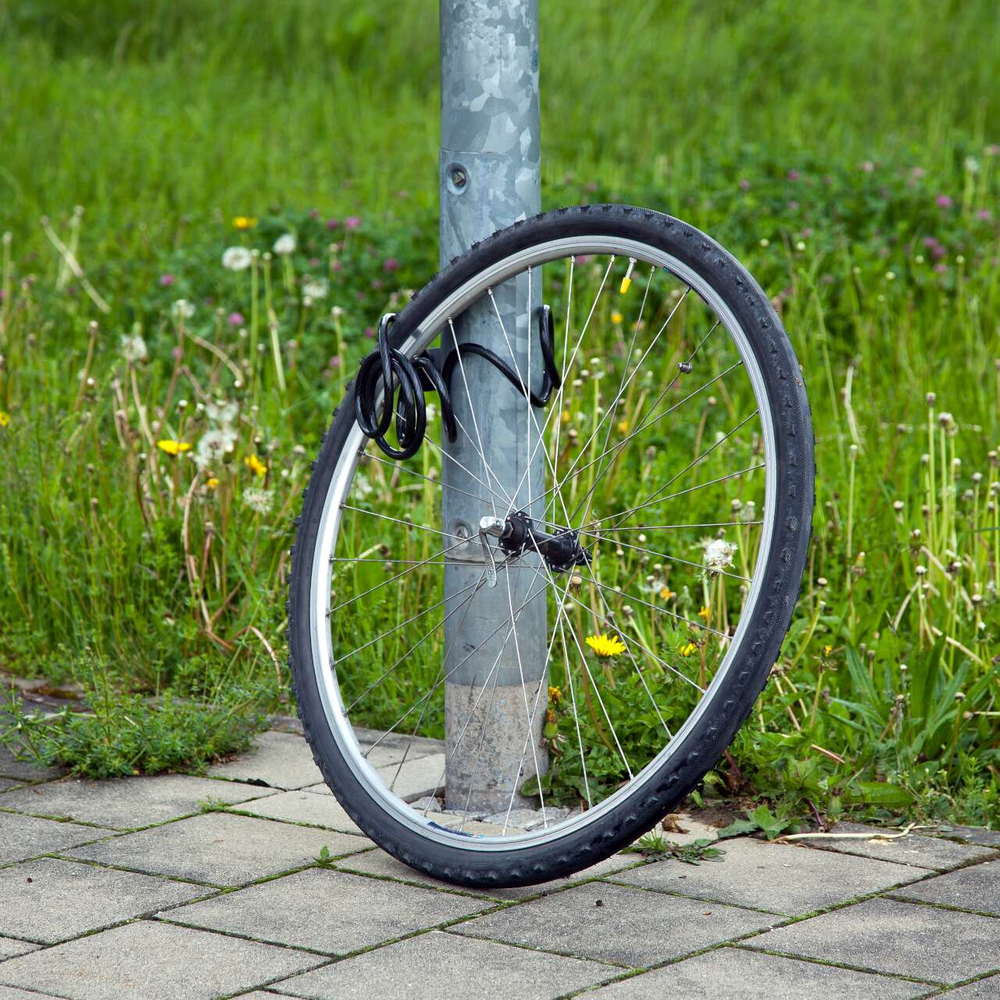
[733, 701]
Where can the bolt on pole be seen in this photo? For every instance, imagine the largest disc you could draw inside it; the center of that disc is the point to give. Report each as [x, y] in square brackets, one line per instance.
[489, 179]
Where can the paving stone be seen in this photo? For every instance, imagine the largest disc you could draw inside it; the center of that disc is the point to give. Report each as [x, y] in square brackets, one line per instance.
[629, 926]
[328, 911]
[25, 836]
[280, 760]
[905, 939]
[776, 877]
[924, 852]
[220, 848]
[126, 803]
[975, 888]
[6, 784]
[25, 770]
[9, 947]
[438, 966]
[303, 807]
[378, 862]
[50, 900]
[984, 989]
[973, 834]
[149, 960]
[415, 777]
[732, 972]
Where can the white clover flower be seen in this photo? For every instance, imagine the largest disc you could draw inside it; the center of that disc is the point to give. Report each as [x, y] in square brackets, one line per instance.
[257, 500]
[718, 554]
[285, 244]
[213, 444]
[182, 309]
[134, 349]
[315, 288]
[236, 258]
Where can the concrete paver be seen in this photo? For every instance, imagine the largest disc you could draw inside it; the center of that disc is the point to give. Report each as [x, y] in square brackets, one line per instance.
[49, 900]
[378, 862]
[220, 848]
[25, 836]
[617, 924]
[303, 807]
[778, 877]
[25, 770]
[974, 888]
[327, 911]
[904, 939]
[913, 849]
[983, 989]
[148, 960]
[733, 972]
[127, 803]
[442, 966]
[9, 947]
[279, 760]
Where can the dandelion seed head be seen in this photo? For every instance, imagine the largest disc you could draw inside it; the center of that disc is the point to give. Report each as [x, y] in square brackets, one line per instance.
[258, 500]
[236, 258]
[285, 245]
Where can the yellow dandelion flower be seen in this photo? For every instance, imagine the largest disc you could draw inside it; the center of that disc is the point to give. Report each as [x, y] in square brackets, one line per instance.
[688, 649]
[623, 427]
[616, 317]
[564, 416]
[705, 613]
[244, 222]
[4, 418]
[605, 646]
[555, 695]
[212, 483]
[827, 650]
[666, 593]
[255, 465]
[173, 447]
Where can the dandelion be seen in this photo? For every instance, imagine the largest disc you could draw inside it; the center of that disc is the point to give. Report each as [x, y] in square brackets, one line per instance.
[705, 613]
[182, 309]
[604, 646]
[616, 317]
[212, 483]
[666, 593]
[718, 554]
[687, 649]
[173, 447]
[4, 418]
[555, 695]
[213, 444]
[255, 465]
[315, 288]
[236, 258]
[623, 427]
[827, 650]
[134, 349]
[221, 411]
[244, 222]
[258, 501]
[285, 245]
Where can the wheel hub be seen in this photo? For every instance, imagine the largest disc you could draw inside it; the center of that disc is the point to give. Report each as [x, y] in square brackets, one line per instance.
[519, 534]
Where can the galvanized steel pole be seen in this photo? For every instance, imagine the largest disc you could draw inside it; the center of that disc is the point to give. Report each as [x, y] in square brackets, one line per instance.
[489, 179]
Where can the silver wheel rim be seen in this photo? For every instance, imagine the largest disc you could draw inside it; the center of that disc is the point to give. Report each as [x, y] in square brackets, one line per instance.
[323, 660]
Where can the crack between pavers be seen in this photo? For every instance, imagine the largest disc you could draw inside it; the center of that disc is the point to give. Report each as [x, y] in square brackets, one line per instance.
[968, 982]
[936, 983]
[941, 906]
[9, 811]
[968, 863]
[700, 899]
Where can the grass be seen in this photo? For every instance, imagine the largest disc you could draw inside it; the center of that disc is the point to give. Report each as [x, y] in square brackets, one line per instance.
[867, 209]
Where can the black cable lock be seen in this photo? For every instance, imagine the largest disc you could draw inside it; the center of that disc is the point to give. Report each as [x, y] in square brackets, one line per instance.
[387, 369]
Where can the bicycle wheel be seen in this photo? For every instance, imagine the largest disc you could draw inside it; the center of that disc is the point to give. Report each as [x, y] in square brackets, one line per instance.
[659, 551]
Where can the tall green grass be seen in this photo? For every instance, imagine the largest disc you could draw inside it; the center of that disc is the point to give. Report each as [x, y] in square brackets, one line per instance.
[845, 151]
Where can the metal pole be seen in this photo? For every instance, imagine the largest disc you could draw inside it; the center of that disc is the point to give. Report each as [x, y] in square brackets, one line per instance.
[489, 179]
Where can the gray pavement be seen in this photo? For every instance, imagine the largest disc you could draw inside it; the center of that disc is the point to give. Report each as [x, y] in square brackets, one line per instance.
[184, 887]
